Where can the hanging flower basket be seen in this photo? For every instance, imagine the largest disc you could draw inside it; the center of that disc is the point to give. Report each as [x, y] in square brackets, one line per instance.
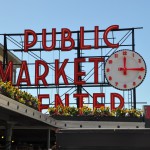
[98, 114]
[15, 93]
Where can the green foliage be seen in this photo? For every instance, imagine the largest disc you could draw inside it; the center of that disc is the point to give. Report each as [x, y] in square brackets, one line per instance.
[21, 96]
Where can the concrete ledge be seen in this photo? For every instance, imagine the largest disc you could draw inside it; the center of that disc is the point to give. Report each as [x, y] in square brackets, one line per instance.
[12, 105]
[96, 124]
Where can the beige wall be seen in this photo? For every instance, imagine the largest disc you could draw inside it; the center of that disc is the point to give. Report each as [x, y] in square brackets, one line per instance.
[1, 58]
[11, 57]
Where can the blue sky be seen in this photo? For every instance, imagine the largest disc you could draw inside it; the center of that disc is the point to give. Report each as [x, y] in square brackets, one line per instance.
[18, 15]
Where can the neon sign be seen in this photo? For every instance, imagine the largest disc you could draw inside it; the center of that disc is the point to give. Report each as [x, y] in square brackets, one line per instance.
[66, 37]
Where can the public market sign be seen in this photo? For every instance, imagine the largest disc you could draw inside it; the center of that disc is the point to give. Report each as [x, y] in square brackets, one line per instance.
[124, 70]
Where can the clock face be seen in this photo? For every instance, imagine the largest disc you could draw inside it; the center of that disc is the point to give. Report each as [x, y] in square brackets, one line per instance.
[125, 69]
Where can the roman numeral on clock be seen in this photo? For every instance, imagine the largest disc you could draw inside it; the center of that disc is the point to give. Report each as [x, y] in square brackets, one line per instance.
[116, 55]
[124, 52]
[140, 77]
[107, 70]
[110, 78]
[125, 86]
[134, 83]
[110, 61]
[116, 83]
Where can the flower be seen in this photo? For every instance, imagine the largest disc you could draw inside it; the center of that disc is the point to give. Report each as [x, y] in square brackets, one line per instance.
[134, 113]
[121, 112]
[73, 111]
[12, 92]
[86, 110]
[99, 112]
[102, 111]
[51, 110]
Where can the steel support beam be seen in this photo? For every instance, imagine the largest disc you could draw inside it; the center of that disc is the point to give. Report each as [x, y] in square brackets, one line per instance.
[79, 87]
[5, 57]
[134, 90]
[48, 139]
[8, 136]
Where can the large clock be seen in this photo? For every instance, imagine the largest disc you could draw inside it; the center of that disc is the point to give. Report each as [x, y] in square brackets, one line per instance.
[125, 69]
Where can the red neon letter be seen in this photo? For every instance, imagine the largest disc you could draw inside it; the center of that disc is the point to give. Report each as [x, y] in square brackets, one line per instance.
[95, 103]
[26, 38]
[113, 27]
[60, 71]
[8, 73]
[64, 38]
[116, 95]
[82, 46]
[44, 41]
[41, 106]
[77, 72]
[96, 36]
[96, 61]
[80, 98]
[43, 76]
[58, 100]
[24, 68]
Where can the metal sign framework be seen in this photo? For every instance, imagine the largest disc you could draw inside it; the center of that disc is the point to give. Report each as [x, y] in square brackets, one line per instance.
[14, 44]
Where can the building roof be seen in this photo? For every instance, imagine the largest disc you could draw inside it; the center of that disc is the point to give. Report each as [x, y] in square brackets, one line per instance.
[11, 56]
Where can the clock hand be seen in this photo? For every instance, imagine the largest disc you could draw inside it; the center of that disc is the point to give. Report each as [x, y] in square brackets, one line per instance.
[121, 69]
[124, 64]
[136, 69]
[133, 69]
